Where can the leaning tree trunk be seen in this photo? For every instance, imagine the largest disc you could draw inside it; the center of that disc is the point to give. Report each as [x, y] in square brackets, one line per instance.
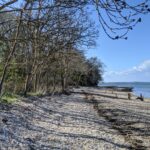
[12, 50]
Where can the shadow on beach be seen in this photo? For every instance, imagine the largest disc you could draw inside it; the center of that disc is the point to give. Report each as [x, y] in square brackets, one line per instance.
[39, 123]
[21, 130]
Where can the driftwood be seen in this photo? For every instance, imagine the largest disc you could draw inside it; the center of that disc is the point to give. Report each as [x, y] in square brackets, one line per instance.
[140, 97]
[129, 96]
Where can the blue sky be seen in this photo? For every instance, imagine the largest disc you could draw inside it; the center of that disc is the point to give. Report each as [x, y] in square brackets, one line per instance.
[125, 60]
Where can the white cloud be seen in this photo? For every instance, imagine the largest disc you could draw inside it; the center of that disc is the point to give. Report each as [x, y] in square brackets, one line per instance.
[145, 66]
[139, 72]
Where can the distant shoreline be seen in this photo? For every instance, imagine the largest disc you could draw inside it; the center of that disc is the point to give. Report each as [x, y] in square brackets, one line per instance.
[138, 87]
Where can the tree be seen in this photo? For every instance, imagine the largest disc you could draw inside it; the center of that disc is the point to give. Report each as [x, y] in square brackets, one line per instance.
[93, 74]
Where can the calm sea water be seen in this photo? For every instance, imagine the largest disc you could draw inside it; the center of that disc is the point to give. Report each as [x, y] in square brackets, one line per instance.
[138, 87]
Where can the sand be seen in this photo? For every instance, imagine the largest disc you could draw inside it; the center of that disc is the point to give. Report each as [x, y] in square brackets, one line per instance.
[88, 119]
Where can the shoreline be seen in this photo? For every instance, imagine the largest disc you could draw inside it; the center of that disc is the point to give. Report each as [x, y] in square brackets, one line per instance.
[126, 90]
[138, 87]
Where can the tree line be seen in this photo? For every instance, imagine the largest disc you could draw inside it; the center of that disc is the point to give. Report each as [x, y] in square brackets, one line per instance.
[42, 41]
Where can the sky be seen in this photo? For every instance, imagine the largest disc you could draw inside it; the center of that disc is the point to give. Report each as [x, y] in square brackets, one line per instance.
[125, 60]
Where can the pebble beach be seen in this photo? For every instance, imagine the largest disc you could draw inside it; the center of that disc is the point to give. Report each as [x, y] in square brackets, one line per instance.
[86, 119]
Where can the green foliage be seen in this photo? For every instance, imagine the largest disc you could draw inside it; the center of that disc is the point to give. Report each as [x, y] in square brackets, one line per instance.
[38, 93]
[9, 98]
[93, 74]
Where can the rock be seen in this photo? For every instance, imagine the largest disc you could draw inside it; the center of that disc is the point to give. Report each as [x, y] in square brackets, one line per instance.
[5, 120]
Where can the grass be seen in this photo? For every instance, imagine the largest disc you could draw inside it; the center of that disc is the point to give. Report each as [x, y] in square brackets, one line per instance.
[9, 98]
[35, 94]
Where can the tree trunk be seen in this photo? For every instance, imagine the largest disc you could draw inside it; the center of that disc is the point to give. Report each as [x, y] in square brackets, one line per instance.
[54, 84]
[35, 83]
[12, 50]
[26, 84]
[3, 77]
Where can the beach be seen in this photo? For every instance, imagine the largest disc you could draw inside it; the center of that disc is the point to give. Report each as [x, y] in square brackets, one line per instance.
[85, 119]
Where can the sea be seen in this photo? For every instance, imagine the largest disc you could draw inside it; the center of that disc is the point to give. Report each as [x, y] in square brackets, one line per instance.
[138, 87]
